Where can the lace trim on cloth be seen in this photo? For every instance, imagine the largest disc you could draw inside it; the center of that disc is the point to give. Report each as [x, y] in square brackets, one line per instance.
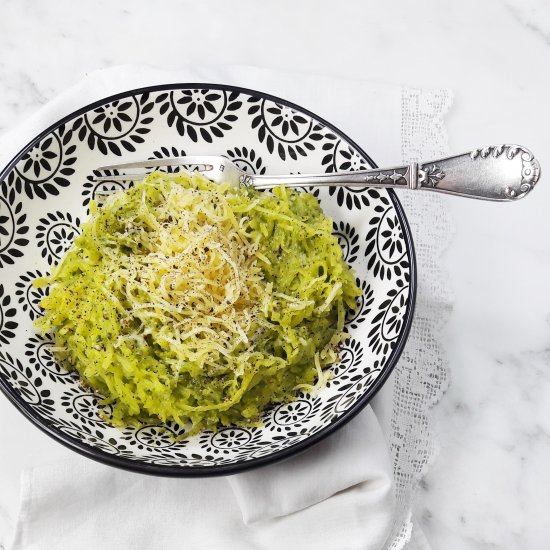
[421, 376]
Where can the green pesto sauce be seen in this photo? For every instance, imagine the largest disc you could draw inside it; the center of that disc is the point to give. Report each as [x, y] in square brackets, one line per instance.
[148, 371]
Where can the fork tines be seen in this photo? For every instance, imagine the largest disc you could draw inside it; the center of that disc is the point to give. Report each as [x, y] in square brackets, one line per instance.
[190, 163]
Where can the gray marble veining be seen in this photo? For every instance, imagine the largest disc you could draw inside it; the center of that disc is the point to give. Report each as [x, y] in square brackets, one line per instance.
[533, 15]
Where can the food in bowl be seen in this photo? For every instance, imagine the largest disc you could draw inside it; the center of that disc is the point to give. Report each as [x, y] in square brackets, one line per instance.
[198, 303]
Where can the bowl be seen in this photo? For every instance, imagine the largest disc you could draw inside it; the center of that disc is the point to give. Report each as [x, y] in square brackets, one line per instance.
[45, 192]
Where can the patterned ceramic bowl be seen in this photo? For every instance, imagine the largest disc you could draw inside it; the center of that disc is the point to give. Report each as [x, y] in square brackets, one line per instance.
[44, 196]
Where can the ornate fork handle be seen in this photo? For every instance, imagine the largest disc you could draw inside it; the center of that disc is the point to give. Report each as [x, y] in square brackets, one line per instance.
[497, 173]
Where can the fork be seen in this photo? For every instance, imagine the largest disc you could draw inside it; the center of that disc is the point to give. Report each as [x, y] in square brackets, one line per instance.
[495, 173]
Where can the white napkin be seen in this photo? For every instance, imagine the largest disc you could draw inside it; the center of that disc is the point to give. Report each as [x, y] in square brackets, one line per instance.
[336, 495]
[82, 505]
[355, 456]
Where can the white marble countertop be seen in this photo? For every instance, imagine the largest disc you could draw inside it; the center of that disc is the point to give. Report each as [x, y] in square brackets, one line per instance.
[489, 486]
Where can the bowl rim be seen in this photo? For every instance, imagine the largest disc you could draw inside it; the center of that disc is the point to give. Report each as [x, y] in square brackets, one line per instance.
[223, 469]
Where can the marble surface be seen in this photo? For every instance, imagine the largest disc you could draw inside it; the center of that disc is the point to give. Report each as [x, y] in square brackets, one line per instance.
[489, 486]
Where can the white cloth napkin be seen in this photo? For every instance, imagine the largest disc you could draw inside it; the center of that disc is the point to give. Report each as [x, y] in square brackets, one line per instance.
[82, 505]
[336, 495]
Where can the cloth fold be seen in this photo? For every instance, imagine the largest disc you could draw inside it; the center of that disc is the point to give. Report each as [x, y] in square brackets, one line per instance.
[83, 505]
[338, 494]
[354, 456]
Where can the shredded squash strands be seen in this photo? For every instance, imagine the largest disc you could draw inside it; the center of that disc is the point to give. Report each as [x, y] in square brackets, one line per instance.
[200, 304]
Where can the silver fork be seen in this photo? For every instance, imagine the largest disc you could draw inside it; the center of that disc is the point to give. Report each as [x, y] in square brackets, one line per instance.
[495, 173]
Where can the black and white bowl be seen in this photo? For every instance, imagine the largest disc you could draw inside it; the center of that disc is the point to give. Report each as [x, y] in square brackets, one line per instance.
[44, 196]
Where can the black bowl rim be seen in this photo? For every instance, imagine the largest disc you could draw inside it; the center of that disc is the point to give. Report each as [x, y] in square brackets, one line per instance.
[223, 469]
